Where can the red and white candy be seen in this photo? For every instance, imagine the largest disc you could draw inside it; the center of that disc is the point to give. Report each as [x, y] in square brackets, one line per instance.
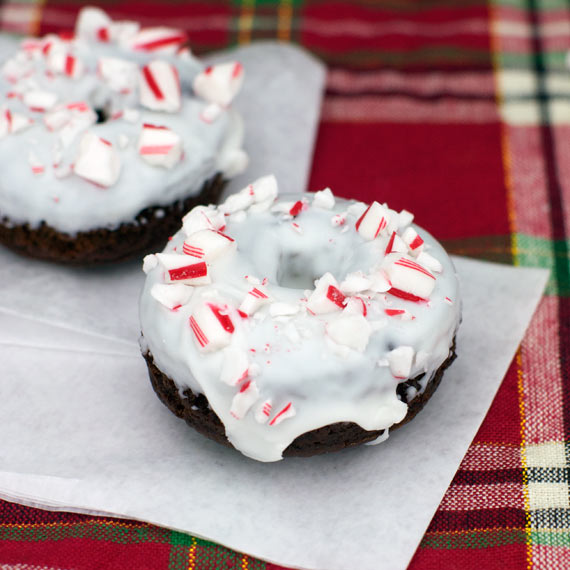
[287, 411]
[208, 245]
[355, 282]
[119, 74]
[263, 411]
[39, 100]
[160, 146]
[373, 221]
[429, 262]
[172, 296]
[324, 199]
[183, 269]
[203, 218]
[255, 298]
[408, 278]
[414, 242]
[12, 122]
[211, 326]
[235, 366]
[395, 244]
[161, 40]
[327, 296]
[242, 402]
[219, 83]
[97, 161]
[400, 361]
[61, 61]
[351, 330]
[159, 87]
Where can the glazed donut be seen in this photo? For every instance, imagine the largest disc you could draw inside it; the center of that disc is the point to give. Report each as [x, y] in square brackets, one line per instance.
[298, 325]
[108, 136]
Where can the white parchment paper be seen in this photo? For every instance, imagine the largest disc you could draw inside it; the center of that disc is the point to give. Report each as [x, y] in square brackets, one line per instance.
[280, 102]
[85, 432]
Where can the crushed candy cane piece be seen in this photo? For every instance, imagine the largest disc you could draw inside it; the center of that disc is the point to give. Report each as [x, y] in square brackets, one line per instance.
[288, 411]
[326, 297]
[352, 330]
[324, 199]
[408, 277]
[120, 75]
[395, 244]
[414, 242]
[180, 269]
[242, 402]
[212, 327]
[159, 146]
[159, 87]
[39, 100]
[150, 261]
[400, 361]
[172, 296]
[372, 221]
[208, 244]
[202, 218]
[263, 411]
[405, 218]
[219, 83]
[355, 282]
[429, 262]
[254, 300]
[97, 161]
[159, 39]
[211, 112]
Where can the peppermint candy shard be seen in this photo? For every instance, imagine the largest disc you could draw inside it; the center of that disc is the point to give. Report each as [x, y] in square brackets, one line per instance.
[120, 75]
[327, 297]
[203, 218]
[372, 221]
[239, 201]
[235, 366]
[172, 296]
[414, 242]
[395, 244]
[212, 327]
[97, 161]
[219, 83]
[263, 411]
[288, 411]
[158, 39]
[159, 146]
[150, 261]
[242, 402]
[159, 87]
[355, 282]
[352, 331]
[182, 269]
[324, 199]
[405, 218]
[400, 361]
[264, 189]
[407, 277]
[208, 244]
[254, 300]
[39, 100]
[429, 262]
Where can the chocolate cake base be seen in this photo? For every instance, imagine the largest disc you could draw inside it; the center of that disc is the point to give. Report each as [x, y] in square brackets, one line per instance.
[147, 232]
[196, 412]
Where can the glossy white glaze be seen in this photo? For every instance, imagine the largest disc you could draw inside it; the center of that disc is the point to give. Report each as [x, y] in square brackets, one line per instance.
[289, 353]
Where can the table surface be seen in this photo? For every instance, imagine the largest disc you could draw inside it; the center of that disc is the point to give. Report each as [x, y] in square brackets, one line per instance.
[459, 111]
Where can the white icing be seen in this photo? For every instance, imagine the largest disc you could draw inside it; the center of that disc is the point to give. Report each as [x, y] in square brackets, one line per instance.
[311, 370]
[35, 87]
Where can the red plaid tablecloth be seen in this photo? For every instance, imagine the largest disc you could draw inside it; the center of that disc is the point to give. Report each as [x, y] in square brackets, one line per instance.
[461, 112]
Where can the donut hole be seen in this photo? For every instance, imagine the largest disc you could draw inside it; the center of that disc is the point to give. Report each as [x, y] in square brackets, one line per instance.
[103, 115]
[296, 271]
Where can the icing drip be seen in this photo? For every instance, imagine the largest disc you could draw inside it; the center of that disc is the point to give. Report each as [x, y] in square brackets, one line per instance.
[297, 330]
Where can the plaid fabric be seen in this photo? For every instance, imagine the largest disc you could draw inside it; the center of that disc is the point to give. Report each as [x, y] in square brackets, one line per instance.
[461, 112]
